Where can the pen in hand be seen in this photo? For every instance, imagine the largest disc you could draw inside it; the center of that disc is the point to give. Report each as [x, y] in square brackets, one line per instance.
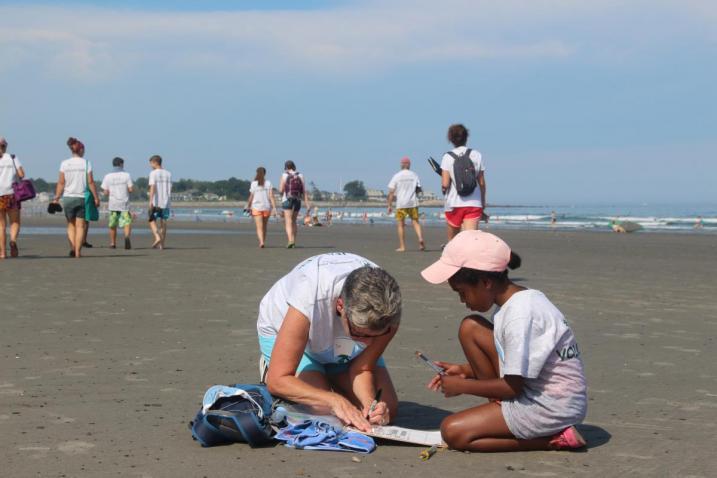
[374, 403]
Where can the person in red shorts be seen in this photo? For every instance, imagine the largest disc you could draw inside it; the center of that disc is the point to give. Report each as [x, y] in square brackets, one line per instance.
[462, 211]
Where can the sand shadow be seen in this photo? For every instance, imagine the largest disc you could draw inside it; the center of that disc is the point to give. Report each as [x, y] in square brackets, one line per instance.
[419, 416]
[594, 435]
[36, 257]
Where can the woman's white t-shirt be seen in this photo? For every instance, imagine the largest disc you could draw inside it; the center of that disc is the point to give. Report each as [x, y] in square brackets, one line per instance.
[452, 198]
[312, 288]
[8, 174]
[75, 170]
[534, 341]
[261, 200]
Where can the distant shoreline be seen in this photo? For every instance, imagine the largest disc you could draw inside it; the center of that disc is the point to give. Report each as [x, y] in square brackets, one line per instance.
[319, 204]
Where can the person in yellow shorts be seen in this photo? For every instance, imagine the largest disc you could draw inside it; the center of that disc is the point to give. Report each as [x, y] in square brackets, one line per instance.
[404, 186]
[117, 185]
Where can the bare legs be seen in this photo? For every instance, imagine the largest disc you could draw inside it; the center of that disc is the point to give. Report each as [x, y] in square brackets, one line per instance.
[261, 222]
[290, 216]
[401, 228]
[3, 234]
[113, 235]
[467, 225]
[159, 230]
[13, 215]
[483, 428]
[76, 235]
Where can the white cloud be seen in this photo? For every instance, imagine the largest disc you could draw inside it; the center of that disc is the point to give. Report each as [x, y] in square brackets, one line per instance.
[95, 43]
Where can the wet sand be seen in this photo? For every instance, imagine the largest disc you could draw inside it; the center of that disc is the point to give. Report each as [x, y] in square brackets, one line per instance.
[105, 359]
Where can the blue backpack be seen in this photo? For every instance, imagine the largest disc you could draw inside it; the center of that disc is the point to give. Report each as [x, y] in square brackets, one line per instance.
[237, 414]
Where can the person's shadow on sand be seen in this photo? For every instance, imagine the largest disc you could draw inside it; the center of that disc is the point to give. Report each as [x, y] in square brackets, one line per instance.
[419, 417]
[595, 436]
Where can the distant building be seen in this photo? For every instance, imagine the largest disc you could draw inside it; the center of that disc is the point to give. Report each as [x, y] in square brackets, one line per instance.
[428, 196]
[184, 196]
[375, 195]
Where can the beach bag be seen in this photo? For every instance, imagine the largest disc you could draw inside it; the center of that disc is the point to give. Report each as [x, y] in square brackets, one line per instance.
[464, 173]
[91, 212]
[23, 189]
[240, 413]
[294, 186]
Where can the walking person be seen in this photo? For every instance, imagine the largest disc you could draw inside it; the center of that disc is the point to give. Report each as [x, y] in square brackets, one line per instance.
[404, 186]
[10, 172]
[117, 185]
[75, 178]
[463, 183]
[293, 189]
[261, 203]
[160, 190]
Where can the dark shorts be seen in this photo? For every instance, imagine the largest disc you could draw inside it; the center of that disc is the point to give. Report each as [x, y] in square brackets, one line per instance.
[292, 204]
[74, 207]
[9, 202]
[158, 213]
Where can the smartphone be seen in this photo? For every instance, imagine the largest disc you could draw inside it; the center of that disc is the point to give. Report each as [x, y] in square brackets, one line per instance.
[429, 363]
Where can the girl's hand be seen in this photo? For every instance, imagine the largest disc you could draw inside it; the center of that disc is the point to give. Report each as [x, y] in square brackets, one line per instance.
[97, 202]
[450, 369]
[452, 385]
[349, 414]
[379, 415]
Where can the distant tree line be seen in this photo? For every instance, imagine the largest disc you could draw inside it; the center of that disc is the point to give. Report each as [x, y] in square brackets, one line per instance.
[232, 189]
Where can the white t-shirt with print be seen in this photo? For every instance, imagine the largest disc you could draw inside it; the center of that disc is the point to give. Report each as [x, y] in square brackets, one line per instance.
[284, 178]
[534, 340]
[118, 184]
[161, 179]
[7, 173]
[452, 198]
[404, 184]
[261, 200]
[312, 288]
[75, 170]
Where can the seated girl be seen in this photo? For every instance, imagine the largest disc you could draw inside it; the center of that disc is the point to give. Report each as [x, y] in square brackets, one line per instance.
[526, 361]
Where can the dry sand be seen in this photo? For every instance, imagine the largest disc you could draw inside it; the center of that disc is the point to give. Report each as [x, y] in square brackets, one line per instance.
[105, 359]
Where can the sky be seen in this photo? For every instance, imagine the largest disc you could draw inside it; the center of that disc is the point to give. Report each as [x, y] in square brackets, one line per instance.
[569, 102]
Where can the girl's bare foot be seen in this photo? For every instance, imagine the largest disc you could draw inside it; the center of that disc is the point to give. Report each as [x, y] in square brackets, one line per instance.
[156, 242]
[422, 245]
[401, 249]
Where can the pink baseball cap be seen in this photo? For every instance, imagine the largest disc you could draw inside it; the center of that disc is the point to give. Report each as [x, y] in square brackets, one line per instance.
[405, 160]
[473, 249]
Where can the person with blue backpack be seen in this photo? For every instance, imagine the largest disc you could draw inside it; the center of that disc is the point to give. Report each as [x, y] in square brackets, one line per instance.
[462, 183]
[293, 189]
[323, 329]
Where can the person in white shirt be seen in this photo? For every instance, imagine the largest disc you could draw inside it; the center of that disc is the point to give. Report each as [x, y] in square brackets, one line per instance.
[10, 172]
[323, 328]
[160, 190]
[526, 360]
[404, 186]
[117, 185]
[293, 188]
[261, 203]
[75, 177]
[462, 212]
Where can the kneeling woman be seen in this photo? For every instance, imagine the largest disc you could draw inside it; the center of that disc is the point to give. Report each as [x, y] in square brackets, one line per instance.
[526, 361]
[322, 330]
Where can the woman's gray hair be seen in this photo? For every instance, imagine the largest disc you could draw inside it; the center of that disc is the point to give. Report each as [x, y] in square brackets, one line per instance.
[372, 298]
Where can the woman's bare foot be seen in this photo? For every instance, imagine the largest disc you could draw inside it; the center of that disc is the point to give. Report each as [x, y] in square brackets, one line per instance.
[156, 243]
[401, 249]
[422, 245]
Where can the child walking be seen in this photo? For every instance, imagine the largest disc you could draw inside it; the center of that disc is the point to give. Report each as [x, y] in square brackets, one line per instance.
[526, 361]
[117, 185]
[160, 191]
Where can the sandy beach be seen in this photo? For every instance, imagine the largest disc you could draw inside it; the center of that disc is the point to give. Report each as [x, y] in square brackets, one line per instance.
[105, 359]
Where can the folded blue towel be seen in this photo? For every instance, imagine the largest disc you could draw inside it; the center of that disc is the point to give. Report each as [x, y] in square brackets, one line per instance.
[318, 435]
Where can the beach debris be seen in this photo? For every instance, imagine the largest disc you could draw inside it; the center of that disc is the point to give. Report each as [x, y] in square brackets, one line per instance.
[356, 459]
[428, 453]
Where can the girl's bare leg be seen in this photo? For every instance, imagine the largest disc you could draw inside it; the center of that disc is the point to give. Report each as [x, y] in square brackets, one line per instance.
[80, 235]
[476, 337]
[14, 215]
[483, 429]
[288, 220]
[3, 235]
[264, 223]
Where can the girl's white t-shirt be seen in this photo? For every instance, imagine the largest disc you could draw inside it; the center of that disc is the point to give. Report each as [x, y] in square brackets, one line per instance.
[261, 201]
[75, 170]
[534, 341]
[452, 198]
[312, 288]
[7, 173]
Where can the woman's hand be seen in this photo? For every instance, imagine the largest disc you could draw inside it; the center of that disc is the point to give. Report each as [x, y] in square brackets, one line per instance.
[379, 415]
[349, 414]
[97, 201]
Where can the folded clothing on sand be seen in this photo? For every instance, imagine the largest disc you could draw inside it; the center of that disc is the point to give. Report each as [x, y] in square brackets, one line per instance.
[318, 435]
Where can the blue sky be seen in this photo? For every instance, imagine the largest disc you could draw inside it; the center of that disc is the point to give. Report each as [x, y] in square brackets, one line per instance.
[569, 102]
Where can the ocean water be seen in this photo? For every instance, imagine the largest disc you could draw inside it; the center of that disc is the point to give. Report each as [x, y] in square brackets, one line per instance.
[652, 218]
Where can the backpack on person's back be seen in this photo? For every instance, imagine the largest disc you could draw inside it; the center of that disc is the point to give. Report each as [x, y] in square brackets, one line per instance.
[464, 173]
[294, 186]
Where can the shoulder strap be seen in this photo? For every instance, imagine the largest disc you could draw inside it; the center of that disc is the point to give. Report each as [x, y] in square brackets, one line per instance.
[452, 154]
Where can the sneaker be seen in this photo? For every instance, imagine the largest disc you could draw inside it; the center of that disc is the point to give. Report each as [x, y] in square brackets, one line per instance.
[263, 369]
[568, 439]
[127, 243]
[13, 249]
